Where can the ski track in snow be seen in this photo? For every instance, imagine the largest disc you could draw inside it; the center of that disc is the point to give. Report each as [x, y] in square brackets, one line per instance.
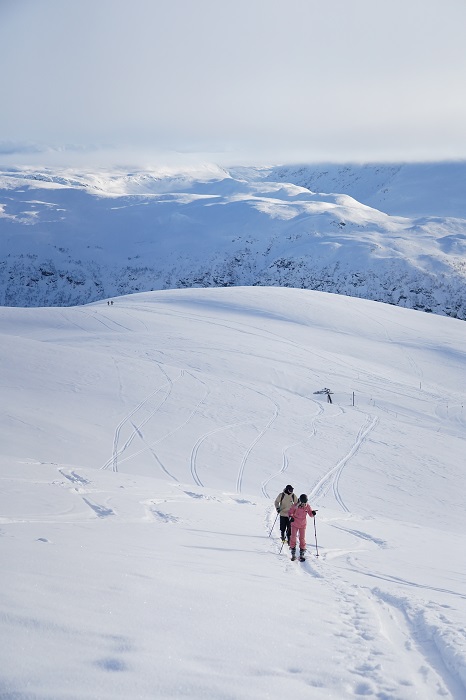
[71, 322]
[285, 459]
[247, 454]
[253, 330]
[104, 320]
[332, 477]
[399, 649]
[118, 451]
[195, 450]
[367, 616]
[356, 566]
[151, 445]
[245, 328]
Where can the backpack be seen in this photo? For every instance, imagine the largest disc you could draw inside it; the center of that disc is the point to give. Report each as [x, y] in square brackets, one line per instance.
[293, 496]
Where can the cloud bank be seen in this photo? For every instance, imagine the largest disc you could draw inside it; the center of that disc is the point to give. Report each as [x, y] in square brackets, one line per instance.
[268, 80]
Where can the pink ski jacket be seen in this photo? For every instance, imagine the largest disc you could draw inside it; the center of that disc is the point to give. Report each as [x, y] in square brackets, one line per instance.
[299, 514]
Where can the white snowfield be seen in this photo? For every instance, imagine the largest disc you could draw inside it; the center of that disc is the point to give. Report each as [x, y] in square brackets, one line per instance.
[143, 445]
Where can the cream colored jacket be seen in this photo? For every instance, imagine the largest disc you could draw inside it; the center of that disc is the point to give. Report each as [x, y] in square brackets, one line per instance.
[285, 503]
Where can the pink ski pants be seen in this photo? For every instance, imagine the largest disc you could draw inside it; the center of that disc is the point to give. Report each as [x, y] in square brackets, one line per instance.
[302, 536]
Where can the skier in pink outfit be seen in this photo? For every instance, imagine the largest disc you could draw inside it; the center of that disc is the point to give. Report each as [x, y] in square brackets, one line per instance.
[297, 516]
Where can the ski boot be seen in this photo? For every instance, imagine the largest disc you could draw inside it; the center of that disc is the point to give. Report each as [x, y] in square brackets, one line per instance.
[293, 553]
[302, 552]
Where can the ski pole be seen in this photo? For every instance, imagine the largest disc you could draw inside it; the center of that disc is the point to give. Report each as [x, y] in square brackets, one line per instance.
[315, 533]
[278, 512]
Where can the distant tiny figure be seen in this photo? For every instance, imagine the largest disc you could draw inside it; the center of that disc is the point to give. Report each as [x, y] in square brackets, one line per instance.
[297, 515]
[283, 503]
[111, 302]
[108, 303]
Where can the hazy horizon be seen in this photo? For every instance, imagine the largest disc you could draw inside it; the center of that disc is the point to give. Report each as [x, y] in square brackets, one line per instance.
[232, 82]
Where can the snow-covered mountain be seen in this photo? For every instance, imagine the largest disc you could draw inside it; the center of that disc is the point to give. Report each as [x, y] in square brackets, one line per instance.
[72, 237]
[404, 189]
[143, 446]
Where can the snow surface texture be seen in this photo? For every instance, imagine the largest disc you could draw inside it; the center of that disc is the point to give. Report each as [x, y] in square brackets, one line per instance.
[143, 445]
[71, 237]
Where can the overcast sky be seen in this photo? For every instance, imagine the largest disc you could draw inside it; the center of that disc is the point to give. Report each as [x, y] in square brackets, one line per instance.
[239, 80]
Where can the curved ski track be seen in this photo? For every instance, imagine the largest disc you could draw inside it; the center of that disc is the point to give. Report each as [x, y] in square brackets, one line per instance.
[285, 461]
[332, 477]
[118, 451]
[150, 445]
[195, 450]
[239, 480]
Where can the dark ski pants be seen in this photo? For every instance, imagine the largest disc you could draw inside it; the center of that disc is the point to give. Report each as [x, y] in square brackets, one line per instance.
[285, 527]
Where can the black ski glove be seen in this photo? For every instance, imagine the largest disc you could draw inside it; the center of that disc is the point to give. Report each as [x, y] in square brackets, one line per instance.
[291, 520]
[278, 510]
[314, 512]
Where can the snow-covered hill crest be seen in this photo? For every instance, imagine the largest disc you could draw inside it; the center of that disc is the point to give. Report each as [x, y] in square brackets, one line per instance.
[71, 237]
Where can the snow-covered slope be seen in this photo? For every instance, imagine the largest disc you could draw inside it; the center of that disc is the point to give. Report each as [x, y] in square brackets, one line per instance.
[400, 189]
[72, 237]
[143, 445]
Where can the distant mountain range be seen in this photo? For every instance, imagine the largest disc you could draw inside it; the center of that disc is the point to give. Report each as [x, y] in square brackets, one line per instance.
[390, 233]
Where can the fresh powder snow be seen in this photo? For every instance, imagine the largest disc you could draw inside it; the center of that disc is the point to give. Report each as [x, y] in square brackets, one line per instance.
[144, 441]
